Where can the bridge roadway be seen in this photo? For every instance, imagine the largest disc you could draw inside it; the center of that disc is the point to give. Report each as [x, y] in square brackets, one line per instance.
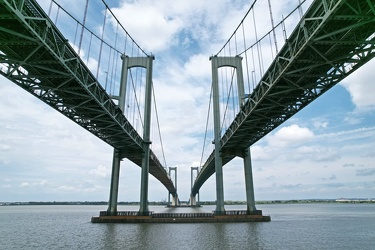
[37, 57]
[333, 39]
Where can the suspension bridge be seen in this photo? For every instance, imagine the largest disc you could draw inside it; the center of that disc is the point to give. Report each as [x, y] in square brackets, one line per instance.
[263, 75]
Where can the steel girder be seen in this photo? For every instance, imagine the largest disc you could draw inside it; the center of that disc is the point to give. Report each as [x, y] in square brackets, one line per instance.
[332, 40]
[37, 57]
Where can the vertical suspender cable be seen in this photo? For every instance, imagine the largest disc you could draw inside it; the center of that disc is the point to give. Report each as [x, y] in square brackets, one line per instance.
[246, 60]
[126, 33]
[88, 53]
[83, 26]
[141, 100]
[140, 95]
[253, 72]
[300, 9]
[75, 35]
[269, 36]
[114, 65]
[135, 96]
[138, 101]
[207, 121]
[257, 43]
[157, 121]
[108, 67]
[229, 91]
[101, 43]
[50, 9]
[283, 27]
[233, 91]
[251, 7]
[223, 72]
[126, 40]
[57, 14]
[235, 42]
[273, 26]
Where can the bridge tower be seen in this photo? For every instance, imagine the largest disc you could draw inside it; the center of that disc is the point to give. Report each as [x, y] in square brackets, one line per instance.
[193, 201]
[119, 154]
[235, 62]
[174, 196]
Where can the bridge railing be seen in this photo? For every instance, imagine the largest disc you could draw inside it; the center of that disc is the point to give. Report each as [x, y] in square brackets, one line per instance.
[182, 215]
[243, 212]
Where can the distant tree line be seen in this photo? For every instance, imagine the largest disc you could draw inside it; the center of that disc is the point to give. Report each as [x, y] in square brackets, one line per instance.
[165, 203]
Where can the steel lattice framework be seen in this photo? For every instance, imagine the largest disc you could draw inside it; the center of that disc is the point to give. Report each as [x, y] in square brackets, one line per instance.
[37, 57]
[332, 40]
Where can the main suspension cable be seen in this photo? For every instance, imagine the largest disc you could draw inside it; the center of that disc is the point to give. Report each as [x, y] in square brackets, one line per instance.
[243, 19]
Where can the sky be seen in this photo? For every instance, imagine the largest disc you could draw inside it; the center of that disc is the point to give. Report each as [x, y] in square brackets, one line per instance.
[327, 150]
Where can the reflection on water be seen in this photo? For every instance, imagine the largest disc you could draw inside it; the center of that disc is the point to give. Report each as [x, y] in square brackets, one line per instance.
[293, 226]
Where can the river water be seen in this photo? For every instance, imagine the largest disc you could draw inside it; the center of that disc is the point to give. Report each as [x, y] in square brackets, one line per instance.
[293, 226]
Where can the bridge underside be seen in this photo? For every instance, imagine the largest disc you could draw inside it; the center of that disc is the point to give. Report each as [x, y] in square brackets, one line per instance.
[36, 56]
[331, 41]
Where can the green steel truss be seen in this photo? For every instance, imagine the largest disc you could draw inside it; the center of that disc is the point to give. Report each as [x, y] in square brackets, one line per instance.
[332, 40]
[37, 57]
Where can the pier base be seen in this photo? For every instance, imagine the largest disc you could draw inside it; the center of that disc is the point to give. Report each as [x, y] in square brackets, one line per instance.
[133, 217]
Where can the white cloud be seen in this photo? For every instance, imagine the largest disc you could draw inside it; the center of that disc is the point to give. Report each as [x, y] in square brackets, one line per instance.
[149, 23]
[290, 135]
[67, 188]
[25, 184]
[320, 124]
[354, 134]
[37, 183]
[198, 67]
[361, 85]
[157, 25]
[259, 153]
[100, 171]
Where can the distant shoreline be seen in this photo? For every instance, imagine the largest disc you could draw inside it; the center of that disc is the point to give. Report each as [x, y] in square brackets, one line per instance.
[163, 203]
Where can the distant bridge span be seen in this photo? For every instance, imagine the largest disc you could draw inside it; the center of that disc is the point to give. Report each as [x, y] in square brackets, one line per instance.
[36, 56]
[332, 40]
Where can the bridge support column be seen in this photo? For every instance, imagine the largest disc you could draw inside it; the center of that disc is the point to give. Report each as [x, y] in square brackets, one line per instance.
[147, 63]
[217, 139]
[193, 199]
[113, 196]
[174, 203]
[217, 62]
[249, 182]
[143, 208]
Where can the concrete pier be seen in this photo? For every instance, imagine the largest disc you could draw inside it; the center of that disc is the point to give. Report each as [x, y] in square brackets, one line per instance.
[136, 217]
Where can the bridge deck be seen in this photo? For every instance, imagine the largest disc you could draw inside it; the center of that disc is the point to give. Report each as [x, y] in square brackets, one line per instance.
[37, 57]
[332, 40]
